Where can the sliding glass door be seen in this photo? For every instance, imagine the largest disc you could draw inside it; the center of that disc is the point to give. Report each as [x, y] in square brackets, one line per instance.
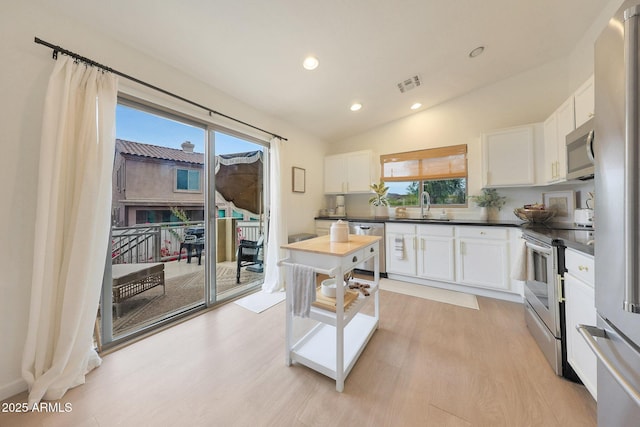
[188, 222]
[157, 263]
[238, 195]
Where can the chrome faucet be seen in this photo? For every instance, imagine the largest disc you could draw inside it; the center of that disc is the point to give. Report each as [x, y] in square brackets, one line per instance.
[425, 200]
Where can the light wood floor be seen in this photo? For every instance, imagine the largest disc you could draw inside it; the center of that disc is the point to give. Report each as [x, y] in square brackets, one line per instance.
[429, 364]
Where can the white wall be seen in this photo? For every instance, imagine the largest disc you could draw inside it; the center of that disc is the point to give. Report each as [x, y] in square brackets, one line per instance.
[529, 97]
[25, 71]
[581, 58]
[526, 98]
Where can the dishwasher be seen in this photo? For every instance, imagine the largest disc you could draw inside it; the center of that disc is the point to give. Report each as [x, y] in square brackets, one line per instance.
[370, 229]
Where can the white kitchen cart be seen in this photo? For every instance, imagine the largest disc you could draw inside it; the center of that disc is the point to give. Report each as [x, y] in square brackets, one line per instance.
[334, 344]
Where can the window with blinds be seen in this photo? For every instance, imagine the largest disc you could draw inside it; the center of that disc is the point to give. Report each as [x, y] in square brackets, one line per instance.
[441, 172]
[434, 163]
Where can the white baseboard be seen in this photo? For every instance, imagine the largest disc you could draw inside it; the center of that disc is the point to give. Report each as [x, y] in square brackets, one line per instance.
[12, 388]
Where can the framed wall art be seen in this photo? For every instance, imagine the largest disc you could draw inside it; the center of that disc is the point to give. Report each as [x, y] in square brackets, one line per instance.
[564, 202]
[298, 179]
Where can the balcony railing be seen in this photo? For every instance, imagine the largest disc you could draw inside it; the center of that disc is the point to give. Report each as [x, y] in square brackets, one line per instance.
[161, 242]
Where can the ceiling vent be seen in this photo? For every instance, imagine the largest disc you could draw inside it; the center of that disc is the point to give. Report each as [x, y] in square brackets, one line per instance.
[410, 83]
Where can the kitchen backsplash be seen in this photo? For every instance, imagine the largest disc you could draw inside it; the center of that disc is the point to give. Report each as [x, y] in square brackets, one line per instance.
[357, 205]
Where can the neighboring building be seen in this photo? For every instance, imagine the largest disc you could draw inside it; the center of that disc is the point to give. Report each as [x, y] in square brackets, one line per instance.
[149, 180]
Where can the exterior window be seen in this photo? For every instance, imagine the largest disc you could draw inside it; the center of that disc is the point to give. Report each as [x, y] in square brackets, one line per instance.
[187, 180]
[441, 172]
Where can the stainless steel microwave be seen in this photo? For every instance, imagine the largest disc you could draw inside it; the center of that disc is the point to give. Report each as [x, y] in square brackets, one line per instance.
[580, 152]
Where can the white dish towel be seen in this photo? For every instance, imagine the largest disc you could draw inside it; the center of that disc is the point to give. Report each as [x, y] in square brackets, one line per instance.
[398, 247]
[520, 270]
[302, 280]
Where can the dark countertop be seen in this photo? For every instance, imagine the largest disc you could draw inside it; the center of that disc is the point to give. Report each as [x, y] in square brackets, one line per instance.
[566, 234]
[475, 222]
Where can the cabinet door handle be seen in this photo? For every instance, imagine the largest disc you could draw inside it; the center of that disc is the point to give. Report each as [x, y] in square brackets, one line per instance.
[355, 259]
[583, 268]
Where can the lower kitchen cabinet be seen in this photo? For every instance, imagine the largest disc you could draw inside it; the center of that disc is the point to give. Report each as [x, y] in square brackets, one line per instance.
[401, 249]
[482, 257]
[580, 309]
[474, 256]
[435, 252]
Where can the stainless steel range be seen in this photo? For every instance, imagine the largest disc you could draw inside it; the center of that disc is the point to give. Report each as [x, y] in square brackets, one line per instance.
[544, 299]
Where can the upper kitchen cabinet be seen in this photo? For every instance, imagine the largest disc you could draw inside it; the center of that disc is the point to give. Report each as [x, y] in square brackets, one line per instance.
[584, 102]
[508, 156]
[572, 113]
[556, 128]
[348, 172]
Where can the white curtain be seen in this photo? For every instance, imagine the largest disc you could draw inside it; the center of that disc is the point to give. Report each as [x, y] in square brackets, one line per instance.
[72, 228]
[273, 279]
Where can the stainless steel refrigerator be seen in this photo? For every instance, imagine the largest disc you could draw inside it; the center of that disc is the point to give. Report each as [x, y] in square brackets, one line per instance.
[616, 338]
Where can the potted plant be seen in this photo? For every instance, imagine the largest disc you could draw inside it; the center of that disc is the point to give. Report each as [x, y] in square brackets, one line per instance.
[379, 201]
[489, 201]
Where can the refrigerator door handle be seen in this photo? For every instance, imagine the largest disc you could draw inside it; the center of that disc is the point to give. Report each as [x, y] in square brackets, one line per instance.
[631, 301]
[588, 333]
[590, 138]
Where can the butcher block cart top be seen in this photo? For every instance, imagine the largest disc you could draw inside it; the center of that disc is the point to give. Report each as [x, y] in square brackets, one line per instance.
[341, 333]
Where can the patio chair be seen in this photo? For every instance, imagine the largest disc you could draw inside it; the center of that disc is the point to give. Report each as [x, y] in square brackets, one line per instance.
[248, 255]
[191, 242]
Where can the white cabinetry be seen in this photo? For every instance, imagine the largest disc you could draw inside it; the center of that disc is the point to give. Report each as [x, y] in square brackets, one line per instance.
[401, 248]
[557, 126]
[584, 102]
[572, 113]
[508, 156]
[348, 172]
[482, 257]
[435, 252]
[580, 309]
[451, 255]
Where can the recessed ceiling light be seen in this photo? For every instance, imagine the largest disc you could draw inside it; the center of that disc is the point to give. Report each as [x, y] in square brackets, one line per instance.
[310, 63]
[356, 106]
[416, 106]
[476, 52]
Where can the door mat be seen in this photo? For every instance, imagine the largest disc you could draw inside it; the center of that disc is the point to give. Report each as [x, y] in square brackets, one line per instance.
[260, 301]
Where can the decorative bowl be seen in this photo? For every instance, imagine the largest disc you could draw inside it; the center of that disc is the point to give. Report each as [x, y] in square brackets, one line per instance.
[328, 287]
[534, 215]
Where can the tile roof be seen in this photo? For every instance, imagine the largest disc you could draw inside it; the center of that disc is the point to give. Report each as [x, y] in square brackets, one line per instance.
[157, 152]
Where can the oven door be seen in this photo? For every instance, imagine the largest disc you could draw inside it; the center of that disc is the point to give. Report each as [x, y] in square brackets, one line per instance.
[541, 286]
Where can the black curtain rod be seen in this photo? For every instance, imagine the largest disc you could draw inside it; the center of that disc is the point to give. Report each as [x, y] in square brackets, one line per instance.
[88, 61]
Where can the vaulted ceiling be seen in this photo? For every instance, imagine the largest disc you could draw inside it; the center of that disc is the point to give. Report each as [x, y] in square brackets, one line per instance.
[253, 50]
